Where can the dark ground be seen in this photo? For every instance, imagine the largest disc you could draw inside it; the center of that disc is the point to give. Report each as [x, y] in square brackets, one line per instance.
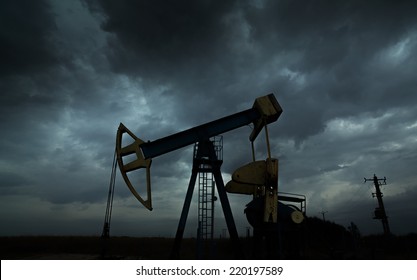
[84, 247]
[312, 239]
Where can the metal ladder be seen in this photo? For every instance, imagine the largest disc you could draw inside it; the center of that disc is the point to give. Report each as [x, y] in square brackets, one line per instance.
[206, 205]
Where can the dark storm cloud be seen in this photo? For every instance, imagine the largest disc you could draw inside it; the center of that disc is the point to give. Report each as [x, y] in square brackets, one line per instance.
[192, 47]
[325, 31]
[11, 183]
[47, 85]
[332, 45]
[336, 45]
[25, 41]
[28, 52]
[162, 38]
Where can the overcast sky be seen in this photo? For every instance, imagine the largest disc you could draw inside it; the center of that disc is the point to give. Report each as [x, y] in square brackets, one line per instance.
[344, 73]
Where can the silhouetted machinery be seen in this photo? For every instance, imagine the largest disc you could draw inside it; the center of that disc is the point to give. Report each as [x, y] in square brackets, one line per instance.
[258, 178]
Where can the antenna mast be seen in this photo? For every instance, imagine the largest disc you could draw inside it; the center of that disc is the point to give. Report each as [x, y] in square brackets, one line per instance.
[380, 213]
[322, 213]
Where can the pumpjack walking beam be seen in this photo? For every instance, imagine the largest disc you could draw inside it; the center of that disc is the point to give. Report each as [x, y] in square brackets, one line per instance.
[265, 110]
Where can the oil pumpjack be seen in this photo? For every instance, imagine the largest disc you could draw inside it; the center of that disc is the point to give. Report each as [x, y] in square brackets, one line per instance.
[259, 178]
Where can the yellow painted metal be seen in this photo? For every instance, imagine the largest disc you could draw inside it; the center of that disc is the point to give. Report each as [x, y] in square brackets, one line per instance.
[259, 178]
[271, 193]
[251, 173]
[248, 179]
[240, 188]
[269, 109]
[297, 217]
[138, 163]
